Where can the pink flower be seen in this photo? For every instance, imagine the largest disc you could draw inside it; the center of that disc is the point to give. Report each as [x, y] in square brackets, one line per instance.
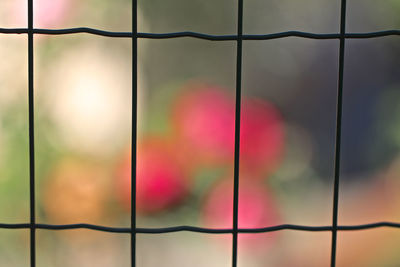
[46, 13]
[205, 120]
[161, 183]
[257, 209]
[262, 139]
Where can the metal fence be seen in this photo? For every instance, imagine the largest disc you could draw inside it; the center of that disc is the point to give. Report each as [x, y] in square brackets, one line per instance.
[239, 38]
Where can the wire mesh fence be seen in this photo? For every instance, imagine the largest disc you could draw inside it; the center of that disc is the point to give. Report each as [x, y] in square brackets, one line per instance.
[239, 38]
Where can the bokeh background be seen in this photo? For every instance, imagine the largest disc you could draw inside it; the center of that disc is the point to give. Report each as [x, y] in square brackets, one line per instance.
[186, 129]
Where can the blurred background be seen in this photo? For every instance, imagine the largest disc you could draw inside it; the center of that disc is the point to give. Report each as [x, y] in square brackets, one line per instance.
[186, 90]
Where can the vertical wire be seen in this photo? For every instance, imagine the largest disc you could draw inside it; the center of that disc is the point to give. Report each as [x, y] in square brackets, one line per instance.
[237, 133]
[31, 137]
[134, 133]
[338, 132]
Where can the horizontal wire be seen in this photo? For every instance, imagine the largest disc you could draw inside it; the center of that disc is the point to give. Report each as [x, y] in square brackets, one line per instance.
[372, 34]
[202, 35]
[200, 229]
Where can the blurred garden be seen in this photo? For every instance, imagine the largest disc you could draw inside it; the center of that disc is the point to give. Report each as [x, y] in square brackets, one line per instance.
[186, 133]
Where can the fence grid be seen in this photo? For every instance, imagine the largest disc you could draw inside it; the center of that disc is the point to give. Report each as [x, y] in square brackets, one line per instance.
[133, 229]
[239, 38]
[338, 138]
[237, 133]
[31, 130]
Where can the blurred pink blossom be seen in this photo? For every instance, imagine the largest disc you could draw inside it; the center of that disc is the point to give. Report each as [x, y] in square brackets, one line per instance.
[161, 183]
[257, 209]
[46, 13]
[204, 116]
[262, 137]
